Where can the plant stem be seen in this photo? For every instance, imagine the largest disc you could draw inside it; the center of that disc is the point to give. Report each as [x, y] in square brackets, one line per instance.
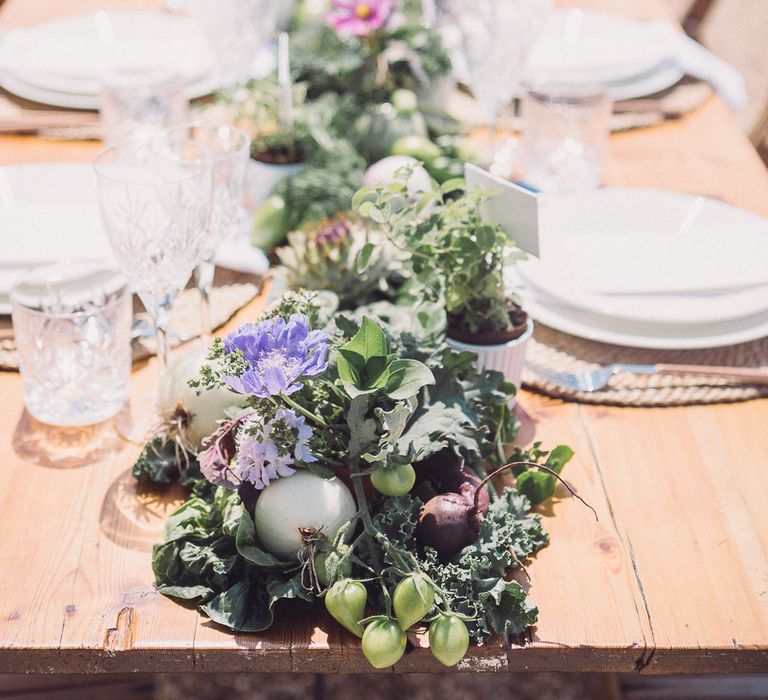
[365, 514]
[304, 412]
[498, 471]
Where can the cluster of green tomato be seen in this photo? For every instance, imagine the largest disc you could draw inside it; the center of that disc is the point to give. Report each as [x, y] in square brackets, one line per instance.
[383, 637]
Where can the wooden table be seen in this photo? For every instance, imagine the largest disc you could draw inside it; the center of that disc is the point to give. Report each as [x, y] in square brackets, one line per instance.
[673, 577]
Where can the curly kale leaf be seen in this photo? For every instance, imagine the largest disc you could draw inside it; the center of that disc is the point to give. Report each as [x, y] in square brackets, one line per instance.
[474, 580]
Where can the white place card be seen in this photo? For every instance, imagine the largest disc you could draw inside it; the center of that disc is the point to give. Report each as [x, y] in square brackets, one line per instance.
[515, 209]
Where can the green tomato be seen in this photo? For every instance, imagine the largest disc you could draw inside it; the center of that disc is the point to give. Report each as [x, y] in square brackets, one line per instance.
[418, 147]
[394, 481]
[404, 100]
[269, 223]
[383, 642]
[330, 559]
[345, 601]
[413, 598]
[448, 639]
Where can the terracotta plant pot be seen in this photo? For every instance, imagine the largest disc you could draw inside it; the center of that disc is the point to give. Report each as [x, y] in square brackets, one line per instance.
[507, 358]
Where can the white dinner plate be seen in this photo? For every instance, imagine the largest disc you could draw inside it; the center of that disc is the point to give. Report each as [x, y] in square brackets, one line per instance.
[67, 58]
[68, 100]
[643, 335]
[651, 256]
[598, 47]
[49, 213]
[661, 78]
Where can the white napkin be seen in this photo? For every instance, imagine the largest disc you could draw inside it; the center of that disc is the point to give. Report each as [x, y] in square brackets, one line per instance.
[239, 255]
[701, 63]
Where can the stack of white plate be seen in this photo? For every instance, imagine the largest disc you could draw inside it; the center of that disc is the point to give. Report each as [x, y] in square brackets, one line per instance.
[650, 269]
[49, 214]
[631, 58]
[63, 62]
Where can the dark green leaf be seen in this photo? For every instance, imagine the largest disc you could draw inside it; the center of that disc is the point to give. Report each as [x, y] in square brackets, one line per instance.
[248, 546]
[244, 607]
[537, 484]
[406, 378]
[364, 257]
[278, 588]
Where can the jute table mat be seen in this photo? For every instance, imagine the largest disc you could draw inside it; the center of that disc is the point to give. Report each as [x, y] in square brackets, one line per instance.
[185, 323]
[558, 351]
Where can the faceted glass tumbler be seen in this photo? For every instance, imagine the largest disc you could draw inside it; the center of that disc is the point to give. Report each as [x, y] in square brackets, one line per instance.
[72, 324]
[566, 129]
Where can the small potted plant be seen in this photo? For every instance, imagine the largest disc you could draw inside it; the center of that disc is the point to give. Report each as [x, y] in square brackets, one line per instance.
[278, 150]
[459, 259]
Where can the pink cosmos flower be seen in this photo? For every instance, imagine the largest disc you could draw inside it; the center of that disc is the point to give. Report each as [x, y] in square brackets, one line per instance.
[359, 17]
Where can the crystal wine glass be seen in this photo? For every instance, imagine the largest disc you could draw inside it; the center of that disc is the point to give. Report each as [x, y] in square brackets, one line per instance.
[237, 30]
[156, 214]
[228, 150]
[496, 39]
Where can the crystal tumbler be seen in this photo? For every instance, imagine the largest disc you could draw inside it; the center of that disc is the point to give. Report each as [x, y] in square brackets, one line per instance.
[566, 128]
[72, 324]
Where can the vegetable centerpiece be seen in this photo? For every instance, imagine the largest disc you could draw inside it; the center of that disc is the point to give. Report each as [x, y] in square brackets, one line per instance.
[349, 465]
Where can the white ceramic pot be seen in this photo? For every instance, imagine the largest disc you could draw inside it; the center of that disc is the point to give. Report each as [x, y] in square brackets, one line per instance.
[507, 358]
[262, 177]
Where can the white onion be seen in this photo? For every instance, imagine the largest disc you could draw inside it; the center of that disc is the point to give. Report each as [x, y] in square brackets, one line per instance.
[300, 501]
[205, 409]
[382, 172]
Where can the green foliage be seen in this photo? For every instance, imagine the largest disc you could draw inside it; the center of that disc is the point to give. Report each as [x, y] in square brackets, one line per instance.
[474, 580]
[365, 366]
[324, 187]
[210, 557]
[369, 69]
[456, 257]
[539, 485]
[387, 400]
[164, 461]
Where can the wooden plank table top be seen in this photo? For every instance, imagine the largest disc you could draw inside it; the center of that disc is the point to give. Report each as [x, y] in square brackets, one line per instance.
[673, 577]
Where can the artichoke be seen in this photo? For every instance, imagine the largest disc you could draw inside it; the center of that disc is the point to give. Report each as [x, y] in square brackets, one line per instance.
[325, 256]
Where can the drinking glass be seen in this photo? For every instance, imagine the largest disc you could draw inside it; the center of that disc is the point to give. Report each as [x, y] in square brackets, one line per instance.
[137, 105]
[496, 39]
[72, 324]
[228, 150]
[565, 136]
[155, 212]
[237, 30]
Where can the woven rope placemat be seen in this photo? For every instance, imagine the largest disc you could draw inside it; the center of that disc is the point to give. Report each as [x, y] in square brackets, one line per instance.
[673, 103]
[561, 352]
[185, 322]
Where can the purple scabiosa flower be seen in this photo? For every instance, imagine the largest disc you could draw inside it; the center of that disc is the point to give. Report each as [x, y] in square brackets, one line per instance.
[279, 353]
[266, 450]
[359, 17]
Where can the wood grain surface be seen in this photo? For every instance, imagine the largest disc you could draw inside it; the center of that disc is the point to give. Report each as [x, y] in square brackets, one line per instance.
[672, 578]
